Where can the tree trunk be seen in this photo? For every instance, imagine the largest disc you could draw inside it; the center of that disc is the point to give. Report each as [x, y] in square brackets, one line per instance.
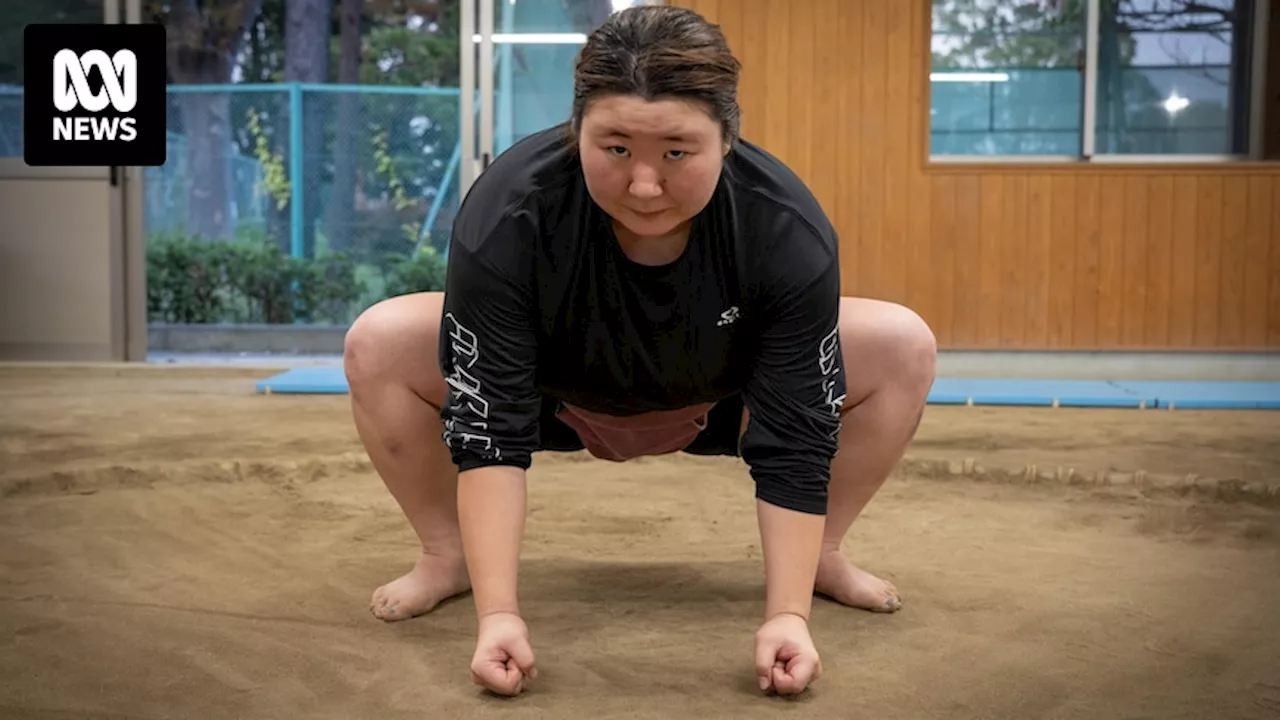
[346, 124]
[201, 44]
[206, 123]
[306, 43]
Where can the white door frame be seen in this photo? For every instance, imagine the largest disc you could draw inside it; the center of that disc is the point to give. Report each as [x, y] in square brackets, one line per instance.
[468, 168]
[134, 245]
[475, 18]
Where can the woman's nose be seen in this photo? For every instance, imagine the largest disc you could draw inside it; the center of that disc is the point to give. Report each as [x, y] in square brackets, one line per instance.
[645, 183]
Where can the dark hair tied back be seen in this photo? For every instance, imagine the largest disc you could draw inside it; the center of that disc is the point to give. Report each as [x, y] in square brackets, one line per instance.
[656, 52]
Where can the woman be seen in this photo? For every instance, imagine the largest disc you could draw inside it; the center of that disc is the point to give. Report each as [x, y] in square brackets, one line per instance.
[638, 282]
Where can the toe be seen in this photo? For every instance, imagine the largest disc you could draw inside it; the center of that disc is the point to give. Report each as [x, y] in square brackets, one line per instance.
[892, 599]
[380, 603]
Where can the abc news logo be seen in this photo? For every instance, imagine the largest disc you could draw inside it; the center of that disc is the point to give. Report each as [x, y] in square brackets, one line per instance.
[94, 95]
[71, 91]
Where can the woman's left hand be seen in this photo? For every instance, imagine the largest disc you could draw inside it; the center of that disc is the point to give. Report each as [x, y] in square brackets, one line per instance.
[786, 660]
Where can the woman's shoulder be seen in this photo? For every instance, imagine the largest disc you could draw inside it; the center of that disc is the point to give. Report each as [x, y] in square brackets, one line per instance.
[518, 185]
[777, 210]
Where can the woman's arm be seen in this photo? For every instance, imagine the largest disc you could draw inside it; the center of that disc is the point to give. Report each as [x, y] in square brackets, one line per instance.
[791, 542]
[491, 515]
[488, 356]
[795, 395]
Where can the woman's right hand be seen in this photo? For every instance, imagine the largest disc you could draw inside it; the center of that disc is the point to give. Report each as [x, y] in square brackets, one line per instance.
[503, 661]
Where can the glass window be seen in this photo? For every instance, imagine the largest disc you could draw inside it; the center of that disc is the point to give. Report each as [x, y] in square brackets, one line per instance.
[1173, 77]
[1006, 77]
[17, 15]
[1009, 77]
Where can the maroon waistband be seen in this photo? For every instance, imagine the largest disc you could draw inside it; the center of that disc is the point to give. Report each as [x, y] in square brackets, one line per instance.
[610, 437]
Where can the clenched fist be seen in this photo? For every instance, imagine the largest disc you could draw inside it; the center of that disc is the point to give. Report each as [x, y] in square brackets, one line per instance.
[786, 660]
[504, 659]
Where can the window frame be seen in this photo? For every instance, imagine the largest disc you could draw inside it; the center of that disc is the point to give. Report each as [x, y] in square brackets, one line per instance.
[1089, 156]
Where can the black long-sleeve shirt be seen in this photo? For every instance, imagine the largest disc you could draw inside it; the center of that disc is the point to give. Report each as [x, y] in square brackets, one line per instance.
[541, 300]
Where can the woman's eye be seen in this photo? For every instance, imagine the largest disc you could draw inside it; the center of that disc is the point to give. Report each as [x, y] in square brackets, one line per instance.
[618, 150]
[675, 154]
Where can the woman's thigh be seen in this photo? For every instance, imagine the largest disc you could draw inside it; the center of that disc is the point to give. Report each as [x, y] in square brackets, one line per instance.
[881, 342]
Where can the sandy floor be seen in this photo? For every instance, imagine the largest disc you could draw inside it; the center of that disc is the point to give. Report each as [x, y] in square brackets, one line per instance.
[174, 546]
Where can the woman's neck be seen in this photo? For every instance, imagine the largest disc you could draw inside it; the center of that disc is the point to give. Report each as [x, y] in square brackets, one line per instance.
[653, 250]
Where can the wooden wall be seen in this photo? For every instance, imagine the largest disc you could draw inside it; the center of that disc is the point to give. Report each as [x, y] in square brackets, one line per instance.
[998, 256]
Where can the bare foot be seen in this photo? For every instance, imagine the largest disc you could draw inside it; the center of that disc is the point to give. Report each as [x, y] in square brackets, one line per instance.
[850, 585]
[433, 579]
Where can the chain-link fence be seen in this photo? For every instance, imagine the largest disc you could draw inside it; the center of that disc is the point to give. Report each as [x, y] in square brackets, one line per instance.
[309, 202]
[10, 121]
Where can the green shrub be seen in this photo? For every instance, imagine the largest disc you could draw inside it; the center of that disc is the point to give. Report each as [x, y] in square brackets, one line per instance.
[185, 278]
[423, 271]
[247, 280]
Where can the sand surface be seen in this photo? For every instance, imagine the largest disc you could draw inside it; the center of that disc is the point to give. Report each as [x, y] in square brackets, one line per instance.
[174, 546]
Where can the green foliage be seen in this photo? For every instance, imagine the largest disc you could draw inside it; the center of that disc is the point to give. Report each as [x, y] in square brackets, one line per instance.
[385, 165]
[1012, 35]
[398, 55]
[275, 178]
[249, 280]
[392, 52]
[423, 271]
[185, 279]
[275, 288]
[999, 34]
[192, 280]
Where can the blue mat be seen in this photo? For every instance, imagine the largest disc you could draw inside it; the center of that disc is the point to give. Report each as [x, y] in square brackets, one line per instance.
[1190, 395]
[1217, 395]
[1067, 393]
[306, 381]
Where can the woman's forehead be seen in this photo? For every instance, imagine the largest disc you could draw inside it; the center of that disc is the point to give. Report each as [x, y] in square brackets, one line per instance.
[631, 117]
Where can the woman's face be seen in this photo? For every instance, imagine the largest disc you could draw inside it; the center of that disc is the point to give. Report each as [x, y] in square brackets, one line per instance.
[652, 165]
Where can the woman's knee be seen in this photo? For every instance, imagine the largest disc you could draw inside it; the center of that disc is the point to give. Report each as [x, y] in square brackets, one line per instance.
[395, 341]
[888, 343]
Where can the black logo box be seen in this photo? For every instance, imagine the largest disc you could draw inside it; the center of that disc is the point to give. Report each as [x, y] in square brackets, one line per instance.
[41, 43]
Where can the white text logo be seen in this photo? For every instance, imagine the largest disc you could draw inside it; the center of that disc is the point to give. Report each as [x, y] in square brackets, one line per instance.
[728, 316]
[828, 354]
[468, 410]
[71, 90]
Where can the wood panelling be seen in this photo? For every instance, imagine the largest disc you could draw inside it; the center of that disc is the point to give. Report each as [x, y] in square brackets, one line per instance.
[998, 256]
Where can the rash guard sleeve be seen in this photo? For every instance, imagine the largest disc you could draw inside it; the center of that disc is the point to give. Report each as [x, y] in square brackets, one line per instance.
[487, 349]
[797, 386]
